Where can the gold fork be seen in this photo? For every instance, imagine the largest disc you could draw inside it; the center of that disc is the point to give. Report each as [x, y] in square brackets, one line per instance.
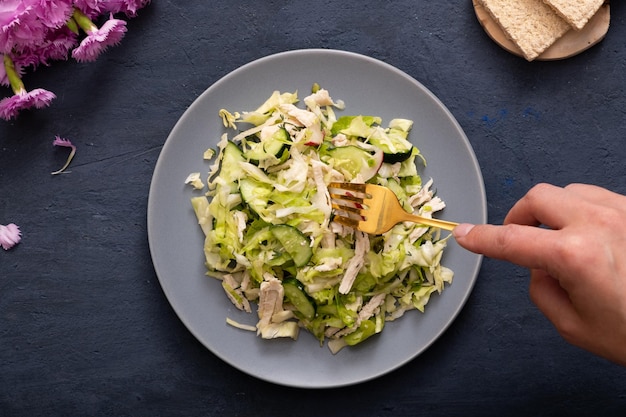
[373, 209]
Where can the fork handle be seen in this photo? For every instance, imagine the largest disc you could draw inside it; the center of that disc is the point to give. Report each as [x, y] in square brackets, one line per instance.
[442, 224]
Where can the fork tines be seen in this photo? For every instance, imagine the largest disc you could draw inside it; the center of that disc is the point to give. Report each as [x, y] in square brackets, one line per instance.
[347, 200]
[350, 186]
[348, 191]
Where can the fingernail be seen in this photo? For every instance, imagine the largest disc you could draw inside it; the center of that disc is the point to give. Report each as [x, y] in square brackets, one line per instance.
[462, 230]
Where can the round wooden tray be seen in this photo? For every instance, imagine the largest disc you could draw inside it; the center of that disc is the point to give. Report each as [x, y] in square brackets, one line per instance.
[570, 44]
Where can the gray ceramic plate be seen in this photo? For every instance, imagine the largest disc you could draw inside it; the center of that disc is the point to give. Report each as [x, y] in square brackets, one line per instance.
[368, 87]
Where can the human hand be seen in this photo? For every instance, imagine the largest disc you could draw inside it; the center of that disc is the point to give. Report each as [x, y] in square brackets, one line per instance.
[577, 262]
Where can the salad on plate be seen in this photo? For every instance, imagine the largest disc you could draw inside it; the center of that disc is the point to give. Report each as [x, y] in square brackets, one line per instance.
[269, 232]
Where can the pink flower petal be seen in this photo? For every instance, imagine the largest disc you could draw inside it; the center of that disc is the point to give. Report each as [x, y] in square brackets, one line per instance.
[91, 8]
[11, 106]
[4, 79]
[40, 98]
[129, 7]
[13, 13]
[53, 13]
[20, 26]
[10, 235]
[55, 46]
[59, 141]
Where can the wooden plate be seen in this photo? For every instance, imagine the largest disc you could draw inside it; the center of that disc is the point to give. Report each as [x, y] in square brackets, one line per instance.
[570, 44]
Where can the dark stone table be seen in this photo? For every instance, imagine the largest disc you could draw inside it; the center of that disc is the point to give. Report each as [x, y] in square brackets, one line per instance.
[85, 328]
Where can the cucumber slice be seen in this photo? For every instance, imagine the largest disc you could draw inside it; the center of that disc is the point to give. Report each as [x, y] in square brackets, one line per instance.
[365, 330]
[272, 147]
[231, 157]
[394, 145]
[295, 243]
[355, 160]
[295, 295]
[254, 194]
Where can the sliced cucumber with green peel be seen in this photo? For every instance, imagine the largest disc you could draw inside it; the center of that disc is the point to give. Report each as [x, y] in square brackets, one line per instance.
[295, 243]
[295, 295]
[231, 157]
[355, 160]
[272, 147]
[254, 194]
[365, 330]
[395, 146]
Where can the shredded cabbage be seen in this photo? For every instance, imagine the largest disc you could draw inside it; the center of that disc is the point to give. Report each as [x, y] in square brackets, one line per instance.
[341, 285]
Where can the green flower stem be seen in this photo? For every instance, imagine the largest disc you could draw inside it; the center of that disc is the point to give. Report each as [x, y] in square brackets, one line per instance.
[67, 163]
[83, 21]
[72, 25]
[14, 78]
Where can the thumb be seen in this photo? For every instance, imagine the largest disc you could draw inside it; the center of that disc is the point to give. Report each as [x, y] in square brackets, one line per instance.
[554, 302]
[548, 295]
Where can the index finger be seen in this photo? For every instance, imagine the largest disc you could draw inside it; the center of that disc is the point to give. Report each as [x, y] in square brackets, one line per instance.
[598, 195]
[545, 204]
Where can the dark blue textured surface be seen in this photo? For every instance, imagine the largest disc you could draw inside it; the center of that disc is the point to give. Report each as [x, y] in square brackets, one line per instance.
[84, 326]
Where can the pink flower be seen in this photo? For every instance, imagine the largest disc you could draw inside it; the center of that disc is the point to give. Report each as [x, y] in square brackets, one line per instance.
[97, 40]
[53, 13]
[11, 106]
[55, 46]
[10, 235]
[17, 25]
[34, 32]
[37, 32]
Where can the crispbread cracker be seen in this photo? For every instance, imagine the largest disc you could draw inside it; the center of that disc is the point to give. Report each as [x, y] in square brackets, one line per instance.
[531, 24]
[576, 12]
